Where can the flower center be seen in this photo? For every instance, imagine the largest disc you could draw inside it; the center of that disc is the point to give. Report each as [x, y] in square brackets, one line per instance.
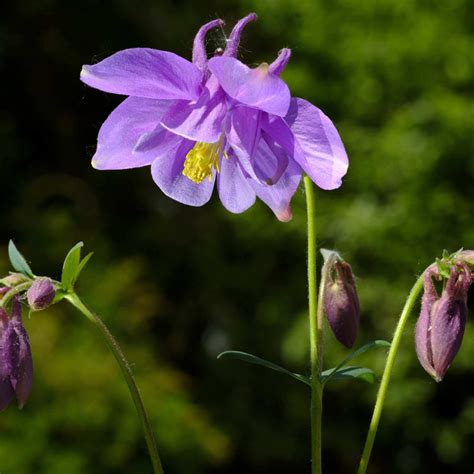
[201, 159]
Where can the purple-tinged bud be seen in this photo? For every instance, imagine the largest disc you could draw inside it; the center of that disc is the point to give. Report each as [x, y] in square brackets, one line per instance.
[440, 326]
[14, 279]
[16, 363]
[40, 294]
[341, 303]
[466, 256]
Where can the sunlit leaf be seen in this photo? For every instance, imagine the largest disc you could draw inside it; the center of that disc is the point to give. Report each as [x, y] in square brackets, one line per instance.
[18, 261]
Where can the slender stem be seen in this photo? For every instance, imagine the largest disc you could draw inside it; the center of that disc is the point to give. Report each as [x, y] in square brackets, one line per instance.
[392, 354]
[129, 378]
[315, 331]
[14, 291]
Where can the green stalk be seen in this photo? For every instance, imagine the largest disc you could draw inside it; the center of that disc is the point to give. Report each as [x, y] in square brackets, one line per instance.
[315, 333]
[129, 378]
[392, 354]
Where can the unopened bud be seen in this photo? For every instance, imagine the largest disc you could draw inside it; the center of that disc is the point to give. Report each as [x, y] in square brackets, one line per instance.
[40, 294]
[440, 326]
[16, 363]
[342, 303]
[14, 279]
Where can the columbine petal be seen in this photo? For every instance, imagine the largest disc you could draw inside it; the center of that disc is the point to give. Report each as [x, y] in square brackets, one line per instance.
[242, 131]
[145, 72]
[323, 156]
[234, 38]
[278, 195]
[121, 131]
[200, 121]
[423, 325]
[277, 66]
[199, 46]
[167, 172]
[235, 192]
[257, 87]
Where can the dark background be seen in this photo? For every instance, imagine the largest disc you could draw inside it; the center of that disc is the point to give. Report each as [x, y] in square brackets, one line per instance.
[177, 284]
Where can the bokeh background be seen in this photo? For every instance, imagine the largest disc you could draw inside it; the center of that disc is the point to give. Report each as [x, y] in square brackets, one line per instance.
[177, 285]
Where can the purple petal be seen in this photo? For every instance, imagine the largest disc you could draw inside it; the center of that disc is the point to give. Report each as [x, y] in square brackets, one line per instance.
[277, 66]
[22, 378]
[167, 172]
[243, 133]
[446, 333]
[423, 325]
[121, 131]
[323, 156]
[199, 46]
[145, 72]
[277, 196]
[234, 38]
[270, 171]
[6, 393]
[257, 87]
[200, 121]
[235, 192]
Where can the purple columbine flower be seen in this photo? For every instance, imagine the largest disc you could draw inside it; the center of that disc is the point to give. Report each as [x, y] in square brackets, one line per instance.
[440, 326]
[214, 121]
[16, 364]
[40, 294]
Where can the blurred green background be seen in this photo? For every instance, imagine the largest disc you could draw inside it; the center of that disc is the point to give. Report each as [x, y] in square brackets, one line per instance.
[177, 285]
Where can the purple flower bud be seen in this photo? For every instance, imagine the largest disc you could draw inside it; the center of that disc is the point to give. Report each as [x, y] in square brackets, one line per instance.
[342, 303]
[440, 326]
[40, 294]
[16, 364]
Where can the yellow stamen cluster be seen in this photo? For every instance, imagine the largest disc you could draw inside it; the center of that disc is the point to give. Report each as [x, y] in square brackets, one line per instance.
[200, 161]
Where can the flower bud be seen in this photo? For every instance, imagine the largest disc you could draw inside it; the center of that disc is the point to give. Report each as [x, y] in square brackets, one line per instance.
[440, 326]
[341, 302]
[40, 294]
[16, 364]
[13, 279]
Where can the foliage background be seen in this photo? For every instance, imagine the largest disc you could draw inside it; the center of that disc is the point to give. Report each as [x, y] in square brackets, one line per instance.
[177, 285]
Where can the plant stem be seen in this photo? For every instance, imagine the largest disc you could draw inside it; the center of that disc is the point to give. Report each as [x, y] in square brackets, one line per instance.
[315, 332]
[13, 292]
[129, 378]
[392, 354]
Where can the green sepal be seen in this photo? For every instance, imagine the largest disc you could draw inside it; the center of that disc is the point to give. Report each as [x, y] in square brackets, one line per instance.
[350, 372]
[18, 261]
[252, 359]
[72, 266]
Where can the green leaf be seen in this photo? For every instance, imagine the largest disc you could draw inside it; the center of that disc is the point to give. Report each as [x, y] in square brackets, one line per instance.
[18, 261]
[350, 372]
[366, 347]
[71, 266]
[83, 264]
[250, 358]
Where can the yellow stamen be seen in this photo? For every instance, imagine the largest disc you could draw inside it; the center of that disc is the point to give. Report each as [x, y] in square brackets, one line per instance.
[201, 159]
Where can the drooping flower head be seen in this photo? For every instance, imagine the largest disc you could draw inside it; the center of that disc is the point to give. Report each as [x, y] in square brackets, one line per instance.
[16, 364]
[442, 320]
[214, 121]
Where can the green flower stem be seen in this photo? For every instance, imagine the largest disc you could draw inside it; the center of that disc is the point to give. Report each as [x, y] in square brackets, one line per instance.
[315, 332]
[129, 378]
[14, 291]
[392, 354]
